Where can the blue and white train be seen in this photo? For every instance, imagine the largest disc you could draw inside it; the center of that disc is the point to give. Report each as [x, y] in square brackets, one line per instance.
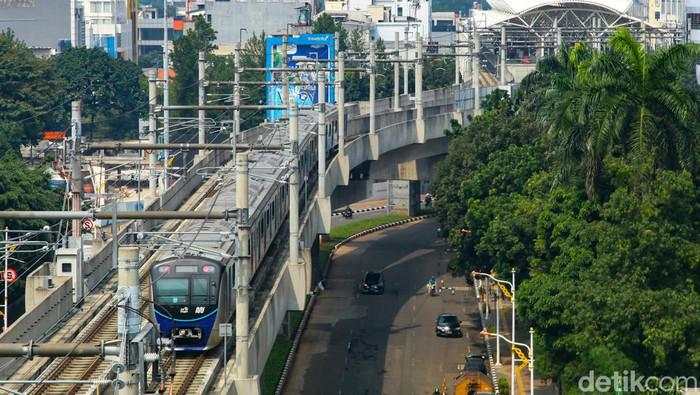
[193, 294]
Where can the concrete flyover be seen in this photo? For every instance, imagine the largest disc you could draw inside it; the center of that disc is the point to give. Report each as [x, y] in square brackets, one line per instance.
[396, 129]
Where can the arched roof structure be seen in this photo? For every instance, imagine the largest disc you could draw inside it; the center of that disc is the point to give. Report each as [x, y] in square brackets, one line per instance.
[544, 24]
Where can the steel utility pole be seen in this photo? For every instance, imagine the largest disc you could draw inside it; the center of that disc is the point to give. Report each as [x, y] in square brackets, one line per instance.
[405, 65]
[322, 134]
[504, 50]
[397, 72]
[476, 67]
[242, 271]
[128, 319]
[420, 122]
[76, 189]
[166, 94]
[152, 99]
[294, 185]
[76, 176]
[236, 129]
[456, 55]
[201, 96]
[340, 81]
[285, 76]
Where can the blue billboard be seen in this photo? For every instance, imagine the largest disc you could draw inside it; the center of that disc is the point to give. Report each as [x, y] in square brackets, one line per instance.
[302, 53]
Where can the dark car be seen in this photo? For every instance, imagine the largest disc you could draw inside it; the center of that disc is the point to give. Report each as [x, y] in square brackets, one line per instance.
[373, 283]
[448, 325]
[476, 363]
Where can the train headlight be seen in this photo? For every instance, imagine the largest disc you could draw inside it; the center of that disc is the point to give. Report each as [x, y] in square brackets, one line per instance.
[208, 269]
[164, 269]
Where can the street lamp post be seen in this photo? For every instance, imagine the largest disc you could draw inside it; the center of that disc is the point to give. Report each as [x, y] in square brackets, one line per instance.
[530, 356]
[510, 284]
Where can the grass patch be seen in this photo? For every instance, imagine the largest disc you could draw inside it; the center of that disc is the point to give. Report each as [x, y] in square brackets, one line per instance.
[278, 356]
[344, 231]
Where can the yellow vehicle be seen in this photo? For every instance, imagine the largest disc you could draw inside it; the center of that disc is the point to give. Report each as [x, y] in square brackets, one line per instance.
[473, 383]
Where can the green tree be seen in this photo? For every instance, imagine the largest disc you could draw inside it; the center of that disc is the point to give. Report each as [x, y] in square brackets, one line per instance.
[112, 97]
[252, 56]
[25, 188]
[326, 24]
[184, 59]
[609, 282]
[28, 94]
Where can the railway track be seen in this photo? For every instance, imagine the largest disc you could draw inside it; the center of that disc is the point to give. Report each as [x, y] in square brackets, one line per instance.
[190, 373]
[104, 328]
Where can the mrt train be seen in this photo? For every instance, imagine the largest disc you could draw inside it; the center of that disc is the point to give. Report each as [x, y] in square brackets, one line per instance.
[195, 293]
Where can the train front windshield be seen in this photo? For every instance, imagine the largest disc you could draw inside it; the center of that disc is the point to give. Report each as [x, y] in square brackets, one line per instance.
[198, 291]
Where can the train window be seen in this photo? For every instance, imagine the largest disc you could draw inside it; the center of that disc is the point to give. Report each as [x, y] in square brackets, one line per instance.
[200, 291]
[172, 291]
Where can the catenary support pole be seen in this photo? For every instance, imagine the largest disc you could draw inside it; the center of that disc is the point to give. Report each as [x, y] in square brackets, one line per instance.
[152, 99]
[397, 72]
[340, 81]
[406, 65]
[76, 191]
[457, 60]
[322, 135]
[201, 96]
[372, 86]
[166, 94]
[242, 267]
[128, 320]
[504, 51]
[236, 129]
[294, 186]
[420, 122]
[476, 68]
[285, 76]
[76, 176]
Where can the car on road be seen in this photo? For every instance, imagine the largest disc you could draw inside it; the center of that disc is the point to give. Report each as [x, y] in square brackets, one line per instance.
[476, 363]
[448, 325]
[372, 283]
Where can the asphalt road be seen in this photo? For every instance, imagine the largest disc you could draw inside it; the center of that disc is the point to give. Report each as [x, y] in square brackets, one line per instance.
[385, 344]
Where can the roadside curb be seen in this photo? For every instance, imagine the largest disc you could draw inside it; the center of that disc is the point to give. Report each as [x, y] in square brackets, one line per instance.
[364, 210]
[312, 300]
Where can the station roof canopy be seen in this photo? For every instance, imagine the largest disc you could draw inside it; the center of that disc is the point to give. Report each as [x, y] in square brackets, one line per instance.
[520, 6]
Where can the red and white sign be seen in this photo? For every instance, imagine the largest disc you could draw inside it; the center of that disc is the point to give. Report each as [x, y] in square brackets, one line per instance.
[10, 275]
[87, 224]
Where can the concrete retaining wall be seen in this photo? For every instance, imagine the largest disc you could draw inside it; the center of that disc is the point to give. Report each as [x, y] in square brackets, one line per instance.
[32, 324]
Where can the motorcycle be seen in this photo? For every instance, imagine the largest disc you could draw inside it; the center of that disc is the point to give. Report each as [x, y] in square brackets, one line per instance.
[432, 287]
[347, 213]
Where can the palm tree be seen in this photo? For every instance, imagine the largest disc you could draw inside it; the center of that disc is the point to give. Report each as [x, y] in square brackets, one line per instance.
[644, 104]
[566, 101]
[621, 100]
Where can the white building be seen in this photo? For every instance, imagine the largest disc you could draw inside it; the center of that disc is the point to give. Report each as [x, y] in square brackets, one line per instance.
[693, 15]
[109, 24]
[387, 17]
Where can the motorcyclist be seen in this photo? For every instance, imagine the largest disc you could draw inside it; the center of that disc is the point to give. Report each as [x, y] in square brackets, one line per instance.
[432, 283]
[347, 213]
[428, 199]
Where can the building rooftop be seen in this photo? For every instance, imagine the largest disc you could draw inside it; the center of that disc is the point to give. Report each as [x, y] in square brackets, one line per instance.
[519, 6]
